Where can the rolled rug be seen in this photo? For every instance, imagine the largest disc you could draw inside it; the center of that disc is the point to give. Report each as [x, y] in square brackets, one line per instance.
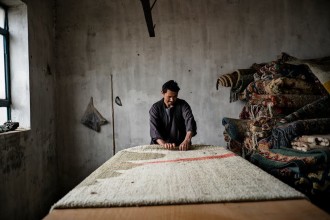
[283, 135]
[320, 67]
[236, 128]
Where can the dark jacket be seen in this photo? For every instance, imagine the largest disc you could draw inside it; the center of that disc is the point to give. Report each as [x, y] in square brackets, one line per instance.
[173, 131]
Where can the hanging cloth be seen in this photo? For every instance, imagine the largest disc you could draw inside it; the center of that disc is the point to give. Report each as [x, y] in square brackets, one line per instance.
[92, 117]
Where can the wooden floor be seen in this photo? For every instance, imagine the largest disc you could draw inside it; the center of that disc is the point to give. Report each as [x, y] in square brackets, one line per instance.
[265, 210]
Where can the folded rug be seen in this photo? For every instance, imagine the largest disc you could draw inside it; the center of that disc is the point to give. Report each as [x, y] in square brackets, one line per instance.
[322, 140]
[283, 135]
[319, 67]
[306, 171]
[236, 128]
[317, 109]
[309, 142]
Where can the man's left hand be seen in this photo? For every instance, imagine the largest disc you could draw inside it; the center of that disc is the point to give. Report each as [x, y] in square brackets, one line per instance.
[184, 145]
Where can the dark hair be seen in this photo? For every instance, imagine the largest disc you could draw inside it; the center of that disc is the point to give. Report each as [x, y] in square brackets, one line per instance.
[170, 85]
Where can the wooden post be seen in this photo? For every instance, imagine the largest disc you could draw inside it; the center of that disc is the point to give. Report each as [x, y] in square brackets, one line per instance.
[113, 120]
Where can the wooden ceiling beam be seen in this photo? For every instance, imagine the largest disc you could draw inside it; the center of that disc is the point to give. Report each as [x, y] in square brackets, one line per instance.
[148, 16]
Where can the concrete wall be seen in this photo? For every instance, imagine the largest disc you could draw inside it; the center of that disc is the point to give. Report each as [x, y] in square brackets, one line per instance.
[196, 41]
[28, 165]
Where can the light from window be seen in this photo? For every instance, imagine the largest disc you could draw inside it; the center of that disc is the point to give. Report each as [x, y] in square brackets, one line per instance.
[3, 115]
[2, 17]
[4, 67]
[2, 71]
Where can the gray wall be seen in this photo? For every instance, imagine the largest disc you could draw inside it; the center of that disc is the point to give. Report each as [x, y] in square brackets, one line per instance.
[196, 41]
[28, 163]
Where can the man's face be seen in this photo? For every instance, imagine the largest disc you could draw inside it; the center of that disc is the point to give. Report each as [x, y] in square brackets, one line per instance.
[170, 98]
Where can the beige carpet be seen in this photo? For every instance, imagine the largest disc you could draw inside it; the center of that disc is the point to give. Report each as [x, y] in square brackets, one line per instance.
[151, 175]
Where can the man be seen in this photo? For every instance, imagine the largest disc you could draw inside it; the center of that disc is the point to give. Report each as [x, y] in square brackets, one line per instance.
[172, 122]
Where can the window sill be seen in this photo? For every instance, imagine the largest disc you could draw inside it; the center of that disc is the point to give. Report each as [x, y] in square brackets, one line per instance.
[18, 130]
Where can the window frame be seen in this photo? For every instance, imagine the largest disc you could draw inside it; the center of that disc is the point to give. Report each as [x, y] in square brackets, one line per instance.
[5, 33]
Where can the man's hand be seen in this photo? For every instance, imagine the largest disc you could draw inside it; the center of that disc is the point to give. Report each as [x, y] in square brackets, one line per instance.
[169, 146]
[187, 142]
[184, 145]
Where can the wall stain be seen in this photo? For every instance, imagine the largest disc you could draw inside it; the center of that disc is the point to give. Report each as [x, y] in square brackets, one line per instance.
[11, 154]
[49, 72]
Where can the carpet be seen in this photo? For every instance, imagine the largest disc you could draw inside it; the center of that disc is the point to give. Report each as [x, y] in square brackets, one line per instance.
[151, 175]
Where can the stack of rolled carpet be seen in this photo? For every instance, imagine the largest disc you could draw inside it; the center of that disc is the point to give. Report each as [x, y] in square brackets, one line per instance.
[284, 126]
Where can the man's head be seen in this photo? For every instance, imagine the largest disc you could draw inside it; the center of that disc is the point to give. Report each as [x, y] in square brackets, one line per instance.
[170, 92]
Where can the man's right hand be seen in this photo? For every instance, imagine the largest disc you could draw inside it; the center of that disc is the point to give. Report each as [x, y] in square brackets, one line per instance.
[169, 146]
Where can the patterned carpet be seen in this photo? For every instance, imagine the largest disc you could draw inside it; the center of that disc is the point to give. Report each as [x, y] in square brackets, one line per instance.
[151, 175]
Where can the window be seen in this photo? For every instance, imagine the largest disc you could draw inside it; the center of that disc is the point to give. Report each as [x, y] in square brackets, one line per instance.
[5, 97]
[14, 63]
